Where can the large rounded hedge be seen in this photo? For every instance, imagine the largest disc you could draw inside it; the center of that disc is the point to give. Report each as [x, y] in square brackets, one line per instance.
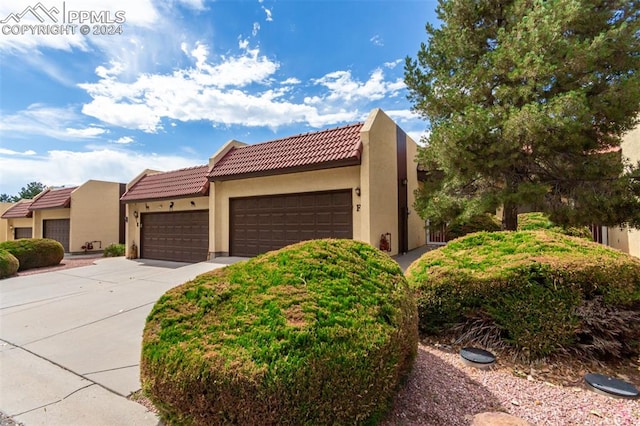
[34, 252]
[8, 264]
[320, 332]
[543, 291]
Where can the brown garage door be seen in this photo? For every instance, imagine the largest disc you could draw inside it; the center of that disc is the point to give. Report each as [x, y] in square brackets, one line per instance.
[260, 224]
[19, 233]
[177, 236]
[57, 229]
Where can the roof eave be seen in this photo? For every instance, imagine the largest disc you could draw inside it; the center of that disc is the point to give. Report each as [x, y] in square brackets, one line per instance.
[203, 192]
[352, 161]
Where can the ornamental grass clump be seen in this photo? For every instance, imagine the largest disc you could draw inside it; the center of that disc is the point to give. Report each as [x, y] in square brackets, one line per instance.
[319, 332]
[34, 252]
[535, 291]
[8, 264]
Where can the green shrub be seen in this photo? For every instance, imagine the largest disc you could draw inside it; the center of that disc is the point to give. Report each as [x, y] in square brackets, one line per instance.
[537, 220]
[530, 284]
[482, 222]
[320, 332]
[34, 252]
[114, 250]
[8, 264]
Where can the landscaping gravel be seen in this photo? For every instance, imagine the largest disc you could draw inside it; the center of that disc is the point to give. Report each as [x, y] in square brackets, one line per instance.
[441, 390]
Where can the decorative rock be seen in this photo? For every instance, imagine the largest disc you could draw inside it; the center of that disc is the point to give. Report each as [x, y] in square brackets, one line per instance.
[497, 419]
[610, 386]
[478, 358]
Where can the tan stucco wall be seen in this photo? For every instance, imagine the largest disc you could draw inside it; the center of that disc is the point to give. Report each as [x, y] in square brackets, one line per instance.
[22, 222]
[379, 179]
[5, 234]
[379, 173]
[417, 232]
[628, 239]
[320, 180]
[95, 215]
[132, 226]
[40, 215]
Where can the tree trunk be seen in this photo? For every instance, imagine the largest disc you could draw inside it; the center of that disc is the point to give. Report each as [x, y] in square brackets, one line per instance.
[510, 216]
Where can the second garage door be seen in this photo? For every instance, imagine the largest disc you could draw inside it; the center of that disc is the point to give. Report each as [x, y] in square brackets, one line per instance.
[57, 229]
[177, 236]
[260, 224]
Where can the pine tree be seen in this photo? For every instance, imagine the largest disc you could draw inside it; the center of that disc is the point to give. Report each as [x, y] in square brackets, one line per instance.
[528, 101]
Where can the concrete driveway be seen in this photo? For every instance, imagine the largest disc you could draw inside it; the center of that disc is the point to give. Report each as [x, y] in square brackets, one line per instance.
[70, 340]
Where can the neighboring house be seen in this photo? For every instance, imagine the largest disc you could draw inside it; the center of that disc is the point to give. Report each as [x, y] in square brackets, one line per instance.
[4, 224]
[355, 181]
[17, 221]
[168, 215]
[85, 218]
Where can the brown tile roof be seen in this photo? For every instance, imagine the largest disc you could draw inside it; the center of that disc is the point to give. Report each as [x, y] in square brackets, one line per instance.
[308, 151]
[53, 199]
[18, 210]
[181, 183]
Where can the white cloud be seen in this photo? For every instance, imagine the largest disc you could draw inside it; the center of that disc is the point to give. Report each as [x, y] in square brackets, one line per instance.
[290, 81]
[85, 133]
[343, 87]
[392, 64]
[193, 4]
[419, 137]
[256, 28]
[124, 140]
[377, 40]
[229, 90]
[39, 119]
[4, 151]
[269, 18]
[53, 169]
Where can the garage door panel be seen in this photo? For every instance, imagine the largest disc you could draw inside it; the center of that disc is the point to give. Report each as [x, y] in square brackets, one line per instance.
[260, 224]
[20, 233]
[57, 229]
[176, 236]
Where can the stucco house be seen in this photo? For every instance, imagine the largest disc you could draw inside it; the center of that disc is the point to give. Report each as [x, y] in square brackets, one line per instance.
[85, 218]
[355, 181]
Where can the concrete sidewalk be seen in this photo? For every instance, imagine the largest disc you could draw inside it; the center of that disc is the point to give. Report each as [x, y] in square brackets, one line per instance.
[70, 340]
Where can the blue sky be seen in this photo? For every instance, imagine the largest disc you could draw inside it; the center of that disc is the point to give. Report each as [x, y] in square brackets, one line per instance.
[182, 77]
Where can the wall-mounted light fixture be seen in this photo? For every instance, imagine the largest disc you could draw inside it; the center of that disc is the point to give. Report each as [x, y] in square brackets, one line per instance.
[193, 203]
[135, 214]
[146, 206]
[357, 191]
[171, 205]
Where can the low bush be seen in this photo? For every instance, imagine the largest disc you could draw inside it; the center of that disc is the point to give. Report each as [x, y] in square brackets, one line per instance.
[114, 250]
[8, 264]
[532, 290]
[537, 221]
[319, 332]
[482, 222]
[34, 252]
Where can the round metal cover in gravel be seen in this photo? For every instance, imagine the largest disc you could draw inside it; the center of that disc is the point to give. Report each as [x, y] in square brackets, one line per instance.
[477, 357]
[610, 386]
